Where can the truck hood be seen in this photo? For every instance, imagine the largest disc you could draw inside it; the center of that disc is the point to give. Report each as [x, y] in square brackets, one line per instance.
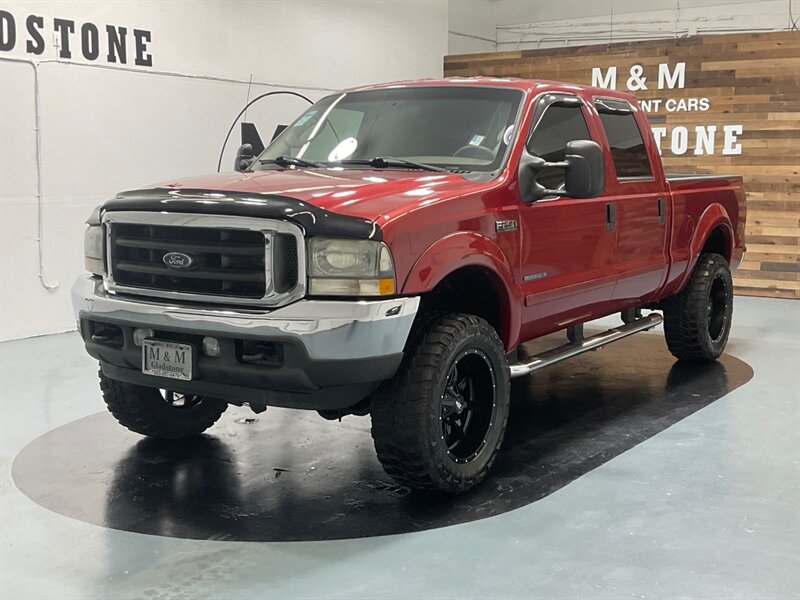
[324, 201]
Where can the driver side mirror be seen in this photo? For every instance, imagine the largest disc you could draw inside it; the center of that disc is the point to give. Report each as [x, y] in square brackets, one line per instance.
[584, 176]
[244, 156]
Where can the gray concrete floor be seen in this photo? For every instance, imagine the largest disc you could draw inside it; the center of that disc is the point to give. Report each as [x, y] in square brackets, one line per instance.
[708, 508]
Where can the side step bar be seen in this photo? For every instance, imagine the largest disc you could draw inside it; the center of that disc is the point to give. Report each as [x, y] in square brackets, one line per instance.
[550, 357]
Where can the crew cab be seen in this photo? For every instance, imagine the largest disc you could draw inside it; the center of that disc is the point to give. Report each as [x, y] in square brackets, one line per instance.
[389, 252]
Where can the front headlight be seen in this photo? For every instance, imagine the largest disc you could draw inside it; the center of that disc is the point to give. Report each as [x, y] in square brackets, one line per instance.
[93, 249]
[349, 268]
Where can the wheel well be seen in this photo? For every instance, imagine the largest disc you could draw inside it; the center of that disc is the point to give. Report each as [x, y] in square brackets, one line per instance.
[717, 242]
[471, 290]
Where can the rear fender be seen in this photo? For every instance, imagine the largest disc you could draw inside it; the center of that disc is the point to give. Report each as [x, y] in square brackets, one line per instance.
[470, 249]
[714, 216]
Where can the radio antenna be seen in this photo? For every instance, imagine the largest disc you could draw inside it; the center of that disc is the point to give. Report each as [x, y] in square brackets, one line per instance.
[247, 101]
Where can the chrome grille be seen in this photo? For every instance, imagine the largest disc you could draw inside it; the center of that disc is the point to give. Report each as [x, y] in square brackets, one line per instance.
[227, 259]
[227, 262]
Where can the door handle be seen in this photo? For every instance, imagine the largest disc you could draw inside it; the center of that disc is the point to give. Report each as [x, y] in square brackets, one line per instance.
[611, 216]
[662, 211]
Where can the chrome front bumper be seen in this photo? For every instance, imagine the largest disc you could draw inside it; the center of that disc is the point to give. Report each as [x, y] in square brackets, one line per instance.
[328, 330]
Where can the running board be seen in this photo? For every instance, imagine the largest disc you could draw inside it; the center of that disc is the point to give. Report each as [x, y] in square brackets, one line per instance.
[545, 359]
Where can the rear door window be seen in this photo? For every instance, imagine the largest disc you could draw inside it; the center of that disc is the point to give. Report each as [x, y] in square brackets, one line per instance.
[624, 138]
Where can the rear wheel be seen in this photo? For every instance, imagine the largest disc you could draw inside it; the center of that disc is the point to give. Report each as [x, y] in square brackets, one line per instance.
[439, 424]
[697, 321]
[160, 413]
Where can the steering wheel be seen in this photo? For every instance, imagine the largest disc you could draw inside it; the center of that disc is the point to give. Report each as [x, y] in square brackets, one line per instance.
[470, 151]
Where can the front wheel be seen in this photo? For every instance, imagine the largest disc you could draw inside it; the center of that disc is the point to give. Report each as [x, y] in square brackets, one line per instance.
[439, 424]
[697, 321]
[160, 413]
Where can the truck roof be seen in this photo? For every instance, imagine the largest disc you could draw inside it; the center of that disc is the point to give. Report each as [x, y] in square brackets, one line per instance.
[526, 85]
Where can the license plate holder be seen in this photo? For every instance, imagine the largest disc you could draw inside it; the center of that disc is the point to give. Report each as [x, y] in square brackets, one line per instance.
[167, 359]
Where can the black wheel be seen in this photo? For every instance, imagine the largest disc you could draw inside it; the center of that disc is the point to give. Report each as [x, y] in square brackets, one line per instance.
[160, 413]
[698, 320]
[439, 423]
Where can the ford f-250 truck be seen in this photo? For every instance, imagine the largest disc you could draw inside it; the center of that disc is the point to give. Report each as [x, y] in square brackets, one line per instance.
[388, 253]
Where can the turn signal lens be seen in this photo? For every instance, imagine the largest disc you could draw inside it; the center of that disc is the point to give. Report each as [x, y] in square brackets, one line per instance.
[386, 286]
[93, 249]
[351, 287]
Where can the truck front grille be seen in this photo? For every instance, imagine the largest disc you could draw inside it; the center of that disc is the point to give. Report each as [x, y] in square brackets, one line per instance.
[231, 262]
[226, 262]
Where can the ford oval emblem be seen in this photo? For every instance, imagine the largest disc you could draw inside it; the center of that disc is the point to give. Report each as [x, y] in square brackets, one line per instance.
[178, 260]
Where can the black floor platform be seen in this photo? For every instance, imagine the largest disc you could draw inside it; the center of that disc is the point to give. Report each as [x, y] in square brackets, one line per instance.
[290, 475]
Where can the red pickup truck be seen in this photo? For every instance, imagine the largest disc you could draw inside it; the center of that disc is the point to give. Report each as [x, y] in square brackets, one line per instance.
[388, 253]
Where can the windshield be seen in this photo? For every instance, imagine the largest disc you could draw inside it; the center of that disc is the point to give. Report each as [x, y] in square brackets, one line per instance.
[458, 128]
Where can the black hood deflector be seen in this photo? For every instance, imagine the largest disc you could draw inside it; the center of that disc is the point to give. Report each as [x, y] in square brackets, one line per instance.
[314, 220]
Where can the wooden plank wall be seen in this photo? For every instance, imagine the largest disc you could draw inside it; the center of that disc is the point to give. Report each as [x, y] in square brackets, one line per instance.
[752, 80]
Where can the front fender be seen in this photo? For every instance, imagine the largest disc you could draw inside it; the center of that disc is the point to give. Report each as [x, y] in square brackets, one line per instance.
[469, 249]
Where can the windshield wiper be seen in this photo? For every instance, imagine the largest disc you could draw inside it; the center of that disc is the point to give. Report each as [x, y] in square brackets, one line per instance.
[382, 162]
[286, 161]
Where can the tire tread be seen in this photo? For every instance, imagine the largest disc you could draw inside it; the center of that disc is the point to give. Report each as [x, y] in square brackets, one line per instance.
[135, 408]
[684, 325]
[400, 406]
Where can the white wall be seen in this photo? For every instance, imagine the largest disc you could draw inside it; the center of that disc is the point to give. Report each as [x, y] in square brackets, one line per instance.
[105, 129]
[502, 25]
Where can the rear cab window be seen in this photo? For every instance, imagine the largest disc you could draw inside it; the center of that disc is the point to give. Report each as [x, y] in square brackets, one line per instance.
[625, 141]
